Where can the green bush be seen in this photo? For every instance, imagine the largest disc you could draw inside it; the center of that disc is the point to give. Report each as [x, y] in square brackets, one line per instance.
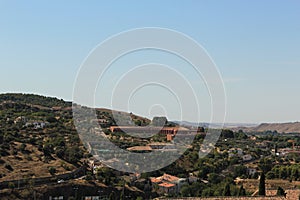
[8, 166]
[52, 170]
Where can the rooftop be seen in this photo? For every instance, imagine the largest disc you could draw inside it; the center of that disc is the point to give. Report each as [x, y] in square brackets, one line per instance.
[167, 185]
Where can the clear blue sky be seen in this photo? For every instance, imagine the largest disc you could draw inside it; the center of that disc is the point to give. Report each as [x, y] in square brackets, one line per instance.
[255, 44]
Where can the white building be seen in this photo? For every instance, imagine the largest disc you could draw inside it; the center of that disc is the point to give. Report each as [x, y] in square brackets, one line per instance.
[247, 157]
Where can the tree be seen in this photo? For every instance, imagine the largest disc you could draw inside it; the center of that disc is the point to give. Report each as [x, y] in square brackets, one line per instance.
[262, 186]
[60, 151]
[73, 154]
[138, 123]
[280, 192]
[1, 137]
[266, 165]
[88, 176]
[52, 170]
[121, 196]
[51, 119]
[242, 191]
[200, 129]
[226, 191]
[111, 196]
[227, 133]
[207, 192]
[295, 174]
[11, 185]
[185, 190]
[22, 147]
[8, 166]
[270, 175]
[240, 135]
[239, 171]
[47, 149]
[214, 178]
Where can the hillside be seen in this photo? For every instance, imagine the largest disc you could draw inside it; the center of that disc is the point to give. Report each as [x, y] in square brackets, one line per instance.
[40, 150]
[215, 125]
[32, 99]
[107, 114]
[291, 127]
[38, 138]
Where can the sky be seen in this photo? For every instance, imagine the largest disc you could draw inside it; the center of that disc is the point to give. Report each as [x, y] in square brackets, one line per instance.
[254, 44]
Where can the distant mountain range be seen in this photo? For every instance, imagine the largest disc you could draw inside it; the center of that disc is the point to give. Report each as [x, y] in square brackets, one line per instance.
[215, 125]
[289, 127]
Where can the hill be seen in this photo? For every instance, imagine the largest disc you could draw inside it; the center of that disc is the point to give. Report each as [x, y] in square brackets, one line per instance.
[215, 125]
[38, 137]
[32, 99]
[290, 127]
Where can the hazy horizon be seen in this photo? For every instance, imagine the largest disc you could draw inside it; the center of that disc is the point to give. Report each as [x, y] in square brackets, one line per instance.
[173, 120]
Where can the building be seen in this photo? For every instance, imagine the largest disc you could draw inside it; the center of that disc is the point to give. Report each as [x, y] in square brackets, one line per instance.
[168, 188]
[102, 121]
[56, 198]
[145, 129]
[37, 124]
[92, 198]
[251, 171]
[192, 178]
[247, 157]
[168, 183]
[235, 152]
[170, 137]
[20, 119]
[169, 132]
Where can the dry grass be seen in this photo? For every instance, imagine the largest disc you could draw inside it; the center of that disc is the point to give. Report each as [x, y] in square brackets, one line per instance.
[251, 185]
[30, 165]
[292, 127]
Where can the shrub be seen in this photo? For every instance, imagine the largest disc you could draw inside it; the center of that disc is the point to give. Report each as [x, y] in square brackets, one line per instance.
[280, 192]
[52, 170]
[88, 176]
[8, 166]
[22, 147]
[11, 185]
[226, 191]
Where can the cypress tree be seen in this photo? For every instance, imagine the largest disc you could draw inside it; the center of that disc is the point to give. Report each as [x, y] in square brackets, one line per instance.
[227, 190]
[242, 191]
[262, 186]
